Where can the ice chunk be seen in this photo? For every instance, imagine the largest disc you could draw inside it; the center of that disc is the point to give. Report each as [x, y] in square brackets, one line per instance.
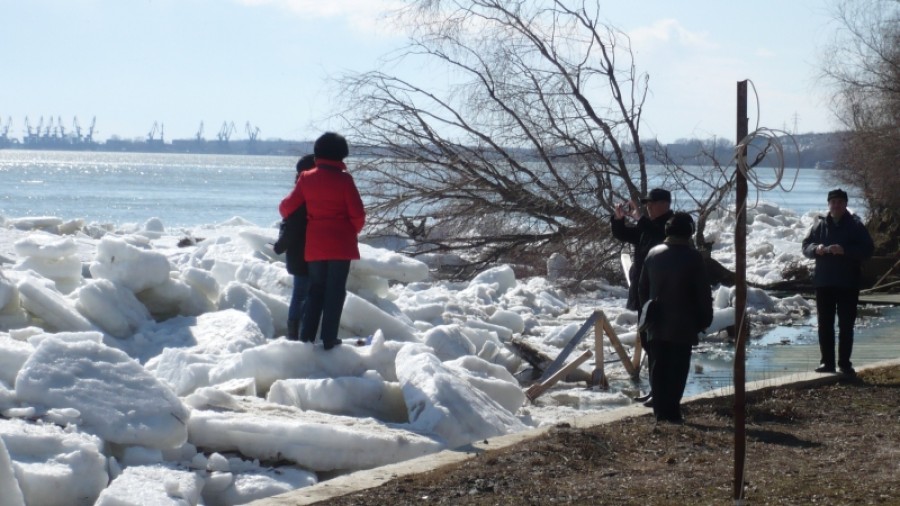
[118, 399]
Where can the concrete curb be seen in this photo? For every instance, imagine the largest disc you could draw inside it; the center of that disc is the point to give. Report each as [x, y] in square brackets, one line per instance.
[362, 480]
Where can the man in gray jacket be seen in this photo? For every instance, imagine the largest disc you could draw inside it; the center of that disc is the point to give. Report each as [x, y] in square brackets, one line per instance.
[674, 277]
[839, 243]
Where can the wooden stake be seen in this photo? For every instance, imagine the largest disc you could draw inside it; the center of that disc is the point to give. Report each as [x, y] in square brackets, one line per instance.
[598, 377]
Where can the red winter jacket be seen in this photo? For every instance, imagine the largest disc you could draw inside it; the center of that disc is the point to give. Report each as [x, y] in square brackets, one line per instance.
[334, 211]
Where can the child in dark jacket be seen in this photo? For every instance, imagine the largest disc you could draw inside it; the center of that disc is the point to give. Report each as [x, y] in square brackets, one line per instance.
[292, 242]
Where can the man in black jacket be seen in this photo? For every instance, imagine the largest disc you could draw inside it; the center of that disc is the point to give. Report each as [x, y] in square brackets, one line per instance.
[674, 276]
[648, 231]
[839, 243]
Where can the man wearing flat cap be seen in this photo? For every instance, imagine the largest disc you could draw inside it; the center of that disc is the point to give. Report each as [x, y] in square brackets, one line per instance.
[674, 278]
[648, 231]
[839, 243]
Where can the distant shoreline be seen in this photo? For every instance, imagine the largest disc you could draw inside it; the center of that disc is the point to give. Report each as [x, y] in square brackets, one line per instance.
[818, 151]
[180, 146]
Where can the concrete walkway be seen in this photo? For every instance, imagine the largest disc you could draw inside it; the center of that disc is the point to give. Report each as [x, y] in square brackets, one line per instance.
[361, 480]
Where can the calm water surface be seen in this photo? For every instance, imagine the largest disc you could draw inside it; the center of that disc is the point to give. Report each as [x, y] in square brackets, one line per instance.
[188, 190]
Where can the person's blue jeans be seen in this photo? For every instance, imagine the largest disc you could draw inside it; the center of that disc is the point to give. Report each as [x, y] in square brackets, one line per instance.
[298, 297]
[325, 299]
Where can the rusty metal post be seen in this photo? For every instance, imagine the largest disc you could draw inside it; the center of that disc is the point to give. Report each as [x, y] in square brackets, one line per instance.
[740, 304]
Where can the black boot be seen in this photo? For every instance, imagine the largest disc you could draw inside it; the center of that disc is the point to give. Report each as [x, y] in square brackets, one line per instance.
[293, 330]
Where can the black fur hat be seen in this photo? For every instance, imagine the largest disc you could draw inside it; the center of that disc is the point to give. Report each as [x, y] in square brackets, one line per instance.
[681, 224]
[331, 146]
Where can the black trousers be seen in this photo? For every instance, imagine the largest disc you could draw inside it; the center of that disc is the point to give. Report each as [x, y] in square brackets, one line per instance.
[668, 377]
[831, 301]
[325, 300]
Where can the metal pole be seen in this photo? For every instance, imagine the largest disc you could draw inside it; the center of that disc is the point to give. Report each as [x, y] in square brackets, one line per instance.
[740, 304]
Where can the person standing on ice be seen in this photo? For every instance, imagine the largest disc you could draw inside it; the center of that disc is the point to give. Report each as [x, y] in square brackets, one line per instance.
[335, 217]
[292, 242]
[648, 231]
[839, 242]
[674, 276]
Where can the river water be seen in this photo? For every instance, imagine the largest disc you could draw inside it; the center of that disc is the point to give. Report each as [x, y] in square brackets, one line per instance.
[185, 190]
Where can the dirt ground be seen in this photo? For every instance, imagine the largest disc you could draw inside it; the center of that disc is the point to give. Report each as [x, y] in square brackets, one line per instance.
[837, 444]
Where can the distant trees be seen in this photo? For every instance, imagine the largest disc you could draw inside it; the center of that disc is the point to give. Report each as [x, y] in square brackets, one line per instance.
[521, 143]
[864, 66]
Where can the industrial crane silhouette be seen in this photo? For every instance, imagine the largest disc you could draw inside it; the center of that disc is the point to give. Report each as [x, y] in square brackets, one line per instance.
[90, 135]
[157, 128]
[200, 133]
[4, 132]
[77, 128]
[32, 134]
[252, 132]
[226, 131]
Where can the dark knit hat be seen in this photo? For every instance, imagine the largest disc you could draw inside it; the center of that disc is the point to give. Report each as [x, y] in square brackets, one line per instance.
[331, 146]
[306, 162]
[837, 194]
[681, 224]
[657, 195]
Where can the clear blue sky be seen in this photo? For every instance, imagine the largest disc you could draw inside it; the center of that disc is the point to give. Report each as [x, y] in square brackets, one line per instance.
[131, 63]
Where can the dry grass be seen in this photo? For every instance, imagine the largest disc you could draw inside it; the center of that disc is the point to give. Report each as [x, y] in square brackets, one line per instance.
[834, 444]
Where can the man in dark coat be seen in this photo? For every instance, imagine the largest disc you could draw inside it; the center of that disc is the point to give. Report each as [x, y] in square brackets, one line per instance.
[674, 276]
[648, 231]
[839, 243]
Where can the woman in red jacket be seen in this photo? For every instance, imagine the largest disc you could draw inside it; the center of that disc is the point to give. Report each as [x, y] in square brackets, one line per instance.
[335, 216]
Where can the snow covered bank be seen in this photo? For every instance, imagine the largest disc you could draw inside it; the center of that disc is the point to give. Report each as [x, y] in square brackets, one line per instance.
[137, 371]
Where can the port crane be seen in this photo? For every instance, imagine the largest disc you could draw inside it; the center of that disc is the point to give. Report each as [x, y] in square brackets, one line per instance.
[77, 128]
[199, 136]
[157, 128]
[37, 130]
[252, 132]
[90, 135]
[226, 131]
[32, 134]
[4, 130]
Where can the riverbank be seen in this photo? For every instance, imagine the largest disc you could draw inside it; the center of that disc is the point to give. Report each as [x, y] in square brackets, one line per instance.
[803, 434]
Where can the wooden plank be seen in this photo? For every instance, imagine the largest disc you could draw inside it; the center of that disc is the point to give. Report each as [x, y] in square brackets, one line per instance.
[540, 360]
[880, 298]
[614, 339]
[536, 390]
[570, 346]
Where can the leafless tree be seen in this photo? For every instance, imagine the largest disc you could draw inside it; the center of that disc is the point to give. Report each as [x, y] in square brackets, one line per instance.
[863, 64]
[526, 150]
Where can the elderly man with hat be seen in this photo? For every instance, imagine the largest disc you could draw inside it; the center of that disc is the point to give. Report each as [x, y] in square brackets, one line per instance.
[839, 243]
[674, 277]
[648, 231]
